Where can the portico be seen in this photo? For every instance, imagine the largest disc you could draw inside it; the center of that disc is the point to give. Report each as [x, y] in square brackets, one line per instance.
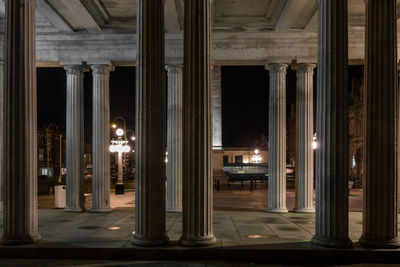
[192, 40]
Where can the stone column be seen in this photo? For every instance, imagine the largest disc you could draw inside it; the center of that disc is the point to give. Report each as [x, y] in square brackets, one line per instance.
[20, 222]
[174, 139]
[398, 137]
[101, 139]
[277, 138]
[331, 184]
[380, 188]
[216, 107]
[150, 125]
[75, 143]
[2, 123]
[304, 137]
[197, 128]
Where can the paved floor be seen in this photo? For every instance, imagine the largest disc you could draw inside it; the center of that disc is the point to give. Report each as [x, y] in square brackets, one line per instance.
[100, 263]
[235, 198]
[231, 228]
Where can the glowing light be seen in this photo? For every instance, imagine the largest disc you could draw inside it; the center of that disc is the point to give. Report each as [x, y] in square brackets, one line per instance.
[314, 143]
[119, 146]
[133, 138]
[114, 125]
[256, 158]
[119, 132]
[113, 228]
[255, 236]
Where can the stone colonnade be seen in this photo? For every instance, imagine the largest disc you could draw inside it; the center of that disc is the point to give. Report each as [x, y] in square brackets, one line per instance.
[19, 129]
[101, 138]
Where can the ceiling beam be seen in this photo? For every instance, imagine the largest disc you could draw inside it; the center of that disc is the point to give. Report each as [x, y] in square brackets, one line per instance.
[82, 15]
[282, 14]
[52, 16]
[171, 17]
[312, 23]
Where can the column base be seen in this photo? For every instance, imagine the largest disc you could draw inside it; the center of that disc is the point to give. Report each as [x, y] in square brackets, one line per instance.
[119, 189]
[147, 242]
[101, 210]
[15, 241]
[73, 210]
[174, 209]
[380, 243]
[198, 241]
[277, 210]
[305, 210]
[329, 243]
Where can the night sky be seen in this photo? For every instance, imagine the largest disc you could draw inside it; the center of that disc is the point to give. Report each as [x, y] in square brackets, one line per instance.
[51, 86]
[245, 96]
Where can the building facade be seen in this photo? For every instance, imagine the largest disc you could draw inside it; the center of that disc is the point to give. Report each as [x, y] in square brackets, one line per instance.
[199, 35]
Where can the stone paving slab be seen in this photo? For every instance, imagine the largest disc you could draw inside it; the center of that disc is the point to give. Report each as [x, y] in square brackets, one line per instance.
[86, 229]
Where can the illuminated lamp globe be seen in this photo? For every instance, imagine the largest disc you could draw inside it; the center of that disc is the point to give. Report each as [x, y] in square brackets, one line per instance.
[126, 148]
[120, 132]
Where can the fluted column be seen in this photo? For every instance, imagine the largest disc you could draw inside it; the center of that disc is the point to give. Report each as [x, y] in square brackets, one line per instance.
[197, 128]
[277, 138]
[20, 222]
[381, 169]
[174, 139]
[331, 184]
[75, 143]
[101, 139]
[216, 107]
[2, 123]
[304, 136]
[150, 125]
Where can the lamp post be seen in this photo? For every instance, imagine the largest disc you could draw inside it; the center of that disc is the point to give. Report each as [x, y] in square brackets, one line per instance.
[119, 146]
[114, 125]
[256, 157]
[314, 143]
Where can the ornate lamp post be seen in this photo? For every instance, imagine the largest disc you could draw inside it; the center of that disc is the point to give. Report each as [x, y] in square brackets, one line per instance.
[119, 146]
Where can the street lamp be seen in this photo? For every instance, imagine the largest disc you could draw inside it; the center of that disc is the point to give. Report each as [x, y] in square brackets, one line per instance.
[133, 138]
[314, 143]
[256, 157]
[119, 146]
[114, 125]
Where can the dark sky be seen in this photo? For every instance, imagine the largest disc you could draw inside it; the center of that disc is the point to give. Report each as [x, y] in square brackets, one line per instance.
[51, 86]
[245, 96]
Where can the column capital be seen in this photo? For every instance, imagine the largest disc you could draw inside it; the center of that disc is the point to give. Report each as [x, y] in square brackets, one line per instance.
[304, 67]
[74, 69]
[174, 68]
[101, 69]
[277, 67]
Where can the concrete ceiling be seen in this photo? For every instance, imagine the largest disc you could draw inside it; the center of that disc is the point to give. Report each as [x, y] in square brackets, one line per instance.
[244, 31]
[229, 16]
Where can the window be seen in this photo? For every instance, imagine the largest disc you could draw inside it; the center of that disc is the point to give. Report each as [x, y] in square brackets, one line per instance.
[239, 159]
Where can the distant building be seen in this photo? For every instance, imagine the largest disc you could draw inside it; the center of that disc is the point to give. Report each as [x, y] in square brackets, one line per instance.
[51, 152]
[235, 155]
[356, 135]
